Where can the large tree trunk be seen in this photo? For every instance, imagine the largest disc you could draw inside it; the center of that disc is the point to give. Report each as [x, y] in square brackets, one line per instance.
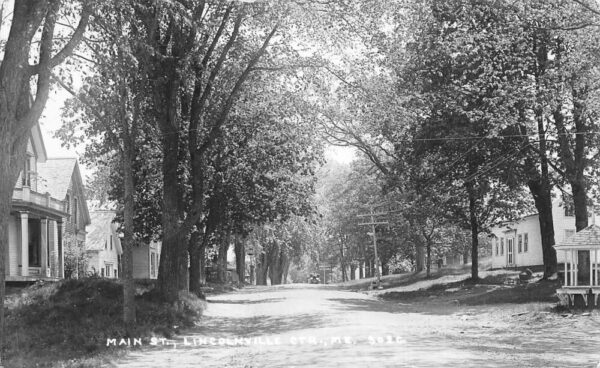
[343, 262]
[543, 203]
[202, 256]
[578, 188]
[275, 264]
[572, 149]
[352, 272]
[539, 179]
[428, 247]
[20, 109]
[7, 183]
[173, 271]
[240, 258]
[222, 257]
[577, 174]
[195, 269]
[172, 275]
[574, 160]
[262, 269]
[14, 134]
[474, 232]
[128, 230]
[284, 264]
[286, 268]
[419, 257]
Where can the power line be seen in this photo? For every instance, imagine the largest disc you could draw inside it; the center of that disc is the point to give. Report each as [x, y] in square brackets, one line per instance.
[494, 164]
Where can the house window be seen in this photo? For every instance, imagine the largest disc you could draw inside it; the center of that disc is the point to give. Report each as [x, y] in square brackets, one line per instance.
[501, 246]
[569, 233]
[108, 269]
[525, 242]
[26, 180]
[497, 246]
[520, 244]
[75, 208]
[68, 204]
[152, 264]
[569, 210]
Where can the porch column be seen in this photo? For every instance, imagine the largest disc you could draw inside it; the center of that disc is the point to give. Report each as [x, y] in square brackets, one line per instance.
[44, 245]
[569, 253]
[53, 248]
[566, 283]
[24, 243]
[61, 250]
[595, 267]
[576, 266]
[591, 269]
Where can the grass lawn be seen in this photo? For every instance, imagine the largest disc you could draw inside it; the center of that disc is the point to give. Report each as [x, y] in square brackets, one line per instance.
[489, 290]
[404, 279]
[67, 323]
[453, 285]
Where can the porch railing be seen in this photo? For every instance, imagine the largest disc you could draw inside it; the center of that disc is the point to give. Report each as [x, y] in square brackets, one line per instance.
[45, 200]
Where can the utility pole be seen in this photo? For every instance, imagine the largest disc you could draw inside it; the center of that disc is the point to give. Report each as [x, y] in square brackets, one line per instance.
[371, 215]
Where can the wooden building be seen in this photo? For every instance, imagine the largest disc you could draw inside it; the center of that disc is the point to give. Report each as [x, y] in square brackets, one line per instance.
[581, 253]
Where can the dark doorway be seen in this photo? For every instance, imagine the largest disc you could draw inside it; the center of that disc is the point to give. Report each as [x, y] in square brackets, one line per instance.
[35, 250]
[583, 267]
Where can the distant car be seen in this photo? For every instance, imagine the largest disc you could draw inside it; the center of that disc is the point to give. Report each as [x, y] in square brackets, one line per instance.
[314, 279]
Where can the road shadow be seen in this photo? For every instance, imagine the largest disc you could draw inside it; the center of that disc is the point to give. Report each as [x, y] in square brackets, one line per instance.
[245, 301]
[256, 326]
[377, 305]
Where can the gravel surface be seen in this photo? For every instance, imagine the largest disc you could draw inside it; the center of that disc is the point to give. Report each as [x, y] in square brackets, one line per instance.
[312, 326]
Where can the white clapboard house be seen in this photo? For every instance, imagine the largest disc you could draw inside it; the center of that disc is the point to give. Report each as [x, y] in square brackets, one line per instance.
[519, 243]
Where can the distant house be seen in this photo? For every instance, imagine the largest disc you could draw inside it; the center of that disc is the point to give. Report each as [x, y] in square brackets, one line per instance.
[43, 216]
[146, 258]
[103, 245]
[61, 178]
[519, 243]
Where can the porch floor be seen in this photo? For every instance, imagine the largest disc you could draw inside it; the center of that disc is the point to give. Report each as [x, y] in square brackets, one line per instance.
[30, 279]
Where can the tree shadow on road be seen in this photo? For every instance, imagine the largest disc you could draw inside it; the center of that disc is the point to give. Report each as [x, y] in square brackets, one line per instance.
[245, 301]
[375, 305]
[257, 325]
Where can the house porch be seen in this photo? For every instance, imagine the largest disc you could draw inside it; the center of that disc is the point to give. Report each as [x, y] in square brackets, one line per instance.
[35, 238]
[581, 269]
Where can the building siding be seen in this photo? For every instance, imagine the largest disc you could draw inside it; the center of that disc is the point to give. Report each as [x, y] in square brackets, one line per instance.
[531, 226]
[141, 262]
[13, 250]
[142, 255]
[100, 258]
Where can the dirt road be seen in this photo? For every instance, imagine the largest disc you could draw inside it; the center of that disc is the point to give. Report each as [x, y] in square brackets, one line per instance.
[312, 326]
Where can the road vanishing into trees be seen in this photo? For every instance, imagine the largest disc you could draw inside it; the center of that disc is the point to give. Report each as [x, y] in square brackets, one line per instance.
[320, 326]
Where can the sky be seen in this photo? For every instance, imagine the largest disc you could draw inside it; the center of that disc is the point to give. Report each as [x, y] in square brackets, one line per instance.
[343, 155]
[50, 122]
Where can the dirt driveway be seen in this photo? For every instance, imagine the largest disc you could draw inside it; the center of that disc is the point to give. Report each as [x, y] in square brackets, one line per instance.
[312, 326]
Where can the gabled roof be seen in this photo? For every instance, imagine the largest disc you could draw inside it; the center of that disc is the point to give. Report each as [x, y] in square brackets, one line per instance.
[37, 142]
[54, 177]
[583, 239]
[100, 228]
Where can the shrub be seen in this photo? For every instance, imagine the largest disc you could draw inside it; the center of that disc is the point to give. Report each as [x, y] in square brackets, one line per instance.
[73, 318]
